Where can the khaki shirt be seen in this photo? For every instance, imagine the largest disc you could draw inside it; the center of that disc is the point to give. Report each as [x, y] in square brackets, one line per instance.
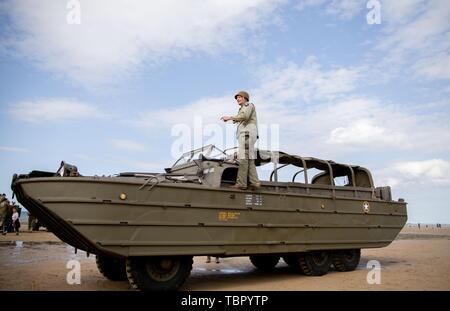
[246, 120]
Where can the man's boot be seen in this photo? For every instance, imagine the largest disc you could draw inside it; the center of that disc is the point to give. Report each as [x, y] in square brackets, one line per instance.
[256, 186]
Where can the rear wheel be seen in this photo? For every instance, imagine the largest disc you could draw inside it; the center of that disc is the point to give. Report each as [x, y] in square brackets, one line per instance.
[315, 263]
[264, 262]
[346, 259]
[158, 273]
[111, 268]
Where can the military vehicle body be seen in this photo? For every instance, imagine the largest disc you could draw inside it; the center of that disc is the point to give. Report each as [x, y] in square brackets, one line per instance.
[147, 227]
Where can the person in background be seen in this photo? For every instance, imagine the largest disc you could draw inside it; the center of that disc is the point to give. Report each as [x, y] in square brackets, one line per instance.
[3, 208]
[15, 220]
[6, 210]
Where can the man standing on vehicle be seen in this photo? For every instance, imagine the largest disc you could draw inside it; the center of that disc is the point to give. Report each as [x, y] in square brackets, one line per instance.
[246, 134]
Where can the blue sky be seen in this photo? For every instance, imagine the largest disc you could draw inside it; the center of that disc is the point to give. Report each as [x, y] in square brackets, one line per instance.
[110, 93]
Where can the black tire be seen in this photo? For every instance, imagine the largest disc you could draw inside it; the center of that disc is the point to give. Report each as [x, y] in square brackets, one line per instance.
[346, 259]
[158, 273]
[265, 262]
[112, 268]
[315, 263]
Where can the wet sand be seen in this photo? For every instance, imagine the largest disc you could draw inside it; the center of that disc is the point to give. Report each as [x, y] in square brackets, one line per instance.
[416, 260]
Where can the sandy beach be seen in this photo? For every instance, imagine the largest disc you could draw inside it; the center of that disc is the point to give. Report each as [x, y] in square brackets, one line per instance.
[416, 260]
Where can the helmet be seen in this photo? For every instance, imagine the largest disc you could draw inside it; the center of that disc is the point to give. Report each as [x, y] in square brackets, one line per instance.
[243, 94]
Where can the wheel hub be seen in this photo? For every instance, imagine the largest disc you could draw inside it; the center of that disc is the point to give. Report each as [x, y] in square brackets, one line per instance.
[349, 256]
[319, 258]
[162, 269]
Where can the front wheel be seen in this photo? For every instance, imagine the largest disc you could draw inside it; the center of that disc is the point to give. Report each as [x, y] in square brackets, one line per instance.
[158, 273]
[111, 268]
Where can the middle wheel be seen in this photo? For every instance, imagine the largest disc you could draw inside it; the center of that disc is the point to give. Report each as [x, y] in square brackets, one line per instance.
[315, 263]
[158, 273]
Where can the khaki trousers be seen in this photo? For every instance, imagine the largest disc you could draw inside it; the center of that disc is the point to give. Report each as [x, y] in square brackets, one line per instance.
[246, 158]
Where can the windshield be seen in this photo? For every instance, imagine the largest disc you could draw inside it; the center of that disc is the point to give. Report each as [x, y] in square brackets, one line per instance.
[210, 151]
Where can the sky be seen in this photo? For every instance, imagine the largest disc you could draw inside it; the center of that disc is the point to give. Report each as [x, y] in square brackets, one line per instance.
[115, 86]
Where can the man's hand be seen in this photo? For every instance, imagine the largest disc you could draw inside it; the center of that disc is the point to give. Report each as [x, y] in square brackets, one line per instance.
[226, 118]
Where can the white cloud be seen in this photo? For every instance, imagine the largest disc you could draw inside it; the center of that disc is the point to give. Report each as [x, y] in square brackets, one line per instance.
[435, 169]
[290, 82]
[401, 11]
[209, 109]
[364, 132]
[422, 31]
[405, 173]
[128, 145]
[13, 149]
[116, 37]
[343, 9]
[370, 124]
[415, 35]
[436, 67]
[53, 109]
[303, 4]
[349, 124]
[279, 86]
[316, 106]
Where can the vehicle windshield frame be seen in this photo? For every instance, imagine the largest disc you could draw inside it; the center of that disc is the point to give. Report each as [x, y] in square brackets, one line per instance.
[207, 151]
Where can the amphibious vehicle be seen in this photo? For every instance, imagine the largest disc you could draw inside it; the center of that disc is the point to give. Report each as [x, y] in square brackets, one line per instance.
[146, 227]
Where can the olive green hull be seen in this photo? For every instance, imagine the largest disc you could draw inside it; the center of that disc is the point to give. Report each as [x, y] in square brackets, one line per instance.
[179, 218]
